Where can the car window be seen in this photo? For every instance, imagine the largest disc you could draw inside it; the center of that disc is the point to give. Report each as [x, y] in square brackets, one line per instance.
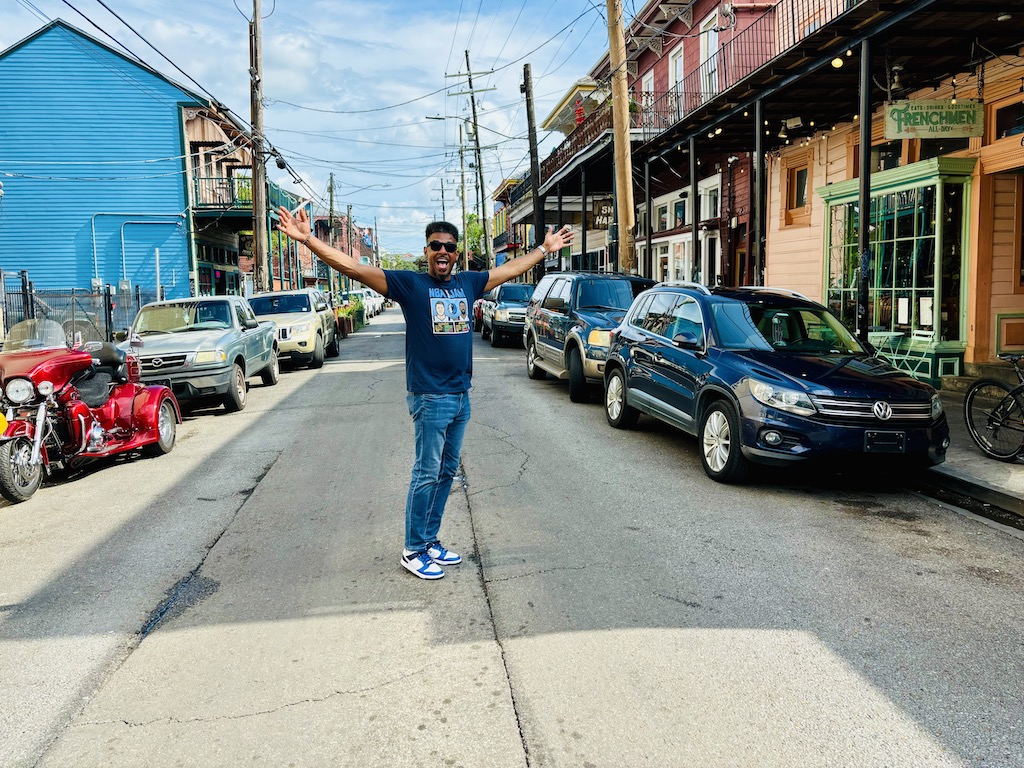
[542, 288]
[637, 318]
[240, 311]
[515, 292]
[783, 329]
[686, 319]
[658, 316]
[279, 304]
[560, 290]
[606, 294]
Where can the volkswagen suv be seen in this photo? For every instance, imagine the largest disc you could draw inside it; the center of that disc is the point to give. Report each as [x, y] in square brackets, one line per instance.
[765, 376]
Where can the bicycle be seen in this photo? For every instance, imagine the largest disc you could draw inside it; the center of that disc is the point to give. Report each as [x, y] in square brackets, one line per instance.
[994, 413]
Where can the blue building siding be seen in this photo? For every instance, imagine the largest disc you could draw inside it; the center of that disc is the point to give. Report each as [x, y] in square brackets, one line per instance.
[91, 156]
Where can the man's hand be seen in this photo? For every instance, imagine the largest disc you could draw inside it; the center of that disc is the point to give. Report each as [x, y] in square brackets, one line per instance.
[296, 227]
[557, 240]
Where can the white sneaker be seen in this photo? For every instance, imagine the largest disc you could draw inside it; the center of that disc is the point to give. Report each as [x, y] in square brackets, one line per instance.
[442, 556]
[419, 564]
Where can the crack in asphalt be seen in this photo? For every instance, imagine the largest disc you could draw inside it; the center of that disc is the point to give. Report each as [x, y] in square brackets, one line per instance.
[504, 437]
[551, 570]
[260, 712]
[490, 612]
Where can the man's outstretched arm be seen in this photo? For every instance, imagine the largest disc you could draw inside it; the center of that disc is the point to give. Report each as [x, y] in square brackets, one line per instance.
[298, 229]
[553, 241]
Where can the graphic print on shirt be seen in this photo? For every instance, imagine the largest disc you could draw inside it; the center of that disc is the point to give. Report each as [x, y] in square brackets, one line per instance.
[449, 311]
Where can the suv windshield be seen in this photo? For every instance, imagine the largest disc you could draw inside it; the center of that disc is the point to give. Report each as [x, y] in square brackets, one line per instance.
[515, 292]
[608, 294]
[801, 330]
[186, 316]
[273, 305]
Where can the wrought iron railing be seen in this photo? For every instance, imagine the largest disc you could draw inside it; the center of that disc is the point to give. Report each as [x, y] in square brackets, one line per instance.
[770, 35]
[223, 192]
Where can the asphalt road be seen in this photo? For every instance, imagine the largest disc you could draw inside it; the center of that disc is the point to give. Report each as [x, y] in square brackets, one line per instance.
[240, 600]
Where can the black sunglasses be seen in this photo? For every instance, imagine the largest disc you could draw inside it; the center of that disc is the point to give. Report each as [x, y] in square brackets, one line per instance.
[437, 245]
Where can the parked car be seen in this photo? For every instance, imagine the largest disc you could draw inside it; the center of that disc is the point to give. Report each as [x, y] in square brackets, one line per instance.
[503, 312]
[373, 302]
[306, 326]
[478, 321]
[568, 324]
[205, 348]
[765, 376]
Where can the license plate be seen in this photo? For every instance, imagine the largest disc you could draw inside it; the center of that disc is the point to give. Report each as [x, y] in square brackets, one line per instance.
[885, 442]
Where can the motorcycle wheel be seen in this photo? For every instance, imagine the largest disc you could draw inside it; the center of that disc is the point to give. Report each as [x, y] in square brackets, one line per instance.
[18, 479]
[167, 429]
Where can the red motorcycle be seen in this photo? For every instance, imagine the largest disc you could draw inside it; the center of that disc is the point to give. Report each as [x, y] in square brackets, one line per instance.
[64, 405]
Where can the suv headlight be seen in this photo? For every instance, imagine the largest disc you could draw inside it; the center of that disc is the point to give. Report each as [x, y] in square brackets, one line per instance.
[936, 406]
[302, 328]
[501, 315]
[790, 400]
[213, 356]
[599, 338]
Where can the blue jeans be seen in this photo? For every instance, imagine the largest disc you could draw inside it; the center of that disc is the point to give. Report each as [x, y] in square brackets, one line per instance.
[440, 424]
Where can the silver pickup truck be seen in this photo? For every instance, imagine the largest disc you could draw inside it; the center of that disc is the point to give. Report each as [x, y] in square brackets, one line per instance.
[205, 348]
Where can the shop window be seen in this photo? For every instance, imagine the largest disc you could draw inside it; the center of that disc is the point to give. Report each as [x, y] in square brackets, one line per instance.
[682, 213]
[1009, 120]
[662, 218]
[796, 183]
[939, 147]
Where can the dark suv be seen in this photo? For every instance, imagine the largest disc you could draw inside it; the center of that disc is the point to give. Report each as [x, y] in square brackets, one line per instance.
[503, 312]
[767, 376]
[568, 325]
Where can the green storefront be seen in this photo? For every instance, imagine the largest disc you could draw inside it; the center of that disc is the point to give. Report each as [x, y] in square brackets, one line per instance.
[918, 236]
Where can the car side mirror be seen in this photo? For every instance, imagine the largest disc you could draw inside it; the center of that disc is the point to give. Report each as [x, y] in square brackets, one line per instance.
[320, 307]
[120, 336]
[250, 323]
[555, 305]
[687, 341]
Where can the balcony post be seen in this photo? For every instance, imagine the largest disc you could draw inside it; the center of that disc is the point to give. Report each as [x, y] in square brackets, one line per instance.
[649, 259]
[760, 204]
[583, 211]
[864, 222]
[695, 210]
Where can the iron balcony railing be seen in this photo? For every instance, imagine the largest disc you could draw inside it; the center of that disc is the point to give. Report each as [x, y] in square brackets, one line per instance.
[652, 113]
[223, 192]
[770, 35]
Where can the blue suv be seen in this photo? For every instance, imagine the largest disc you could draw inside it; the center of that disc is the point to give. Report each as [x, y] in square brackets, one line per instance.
[767, 376]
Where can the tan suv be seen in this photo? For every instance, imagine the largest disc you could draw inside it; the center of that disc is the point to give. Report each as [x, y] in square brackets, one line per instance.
[306, 326]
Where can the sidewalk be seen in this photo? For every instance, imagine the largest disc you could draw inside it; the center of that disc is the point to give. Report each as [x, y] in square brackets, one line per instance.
[968, 471]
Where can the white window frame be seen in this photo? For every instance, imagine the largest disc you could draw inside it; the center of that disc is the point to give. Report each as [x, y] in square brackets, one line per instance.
[709, 55]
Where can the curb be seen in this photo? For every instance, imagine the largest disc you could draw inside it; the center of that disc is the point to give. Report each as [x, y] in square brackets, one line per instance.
[938, 480]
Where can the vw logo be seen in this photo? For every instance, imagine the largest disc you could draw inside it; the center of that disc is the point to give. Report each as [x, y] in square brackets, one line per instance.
[156, 362]
[882, 410]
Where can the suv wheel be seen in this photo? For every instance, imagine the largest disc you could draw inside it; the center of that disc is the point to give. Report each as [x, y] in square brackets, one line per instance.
[318, 353]
[237, 393]
[495, 338]
[485, 332]
[619, 414]
[334, 348]
[720, 451]
[533, 370]
[577, 381]
[272, 373]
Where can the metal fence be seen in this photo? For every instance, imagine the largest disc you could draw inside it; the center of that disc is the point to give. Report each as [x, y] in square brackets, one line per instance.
[85, 315]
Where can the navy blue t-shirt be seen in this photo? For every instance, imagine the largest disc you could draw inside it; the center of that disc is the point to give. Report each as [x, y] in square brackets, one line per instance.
[438, 328]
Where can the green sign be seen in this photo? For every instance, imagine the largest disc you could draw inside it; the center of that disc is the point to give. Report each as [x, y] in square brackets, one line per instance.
[934, 119]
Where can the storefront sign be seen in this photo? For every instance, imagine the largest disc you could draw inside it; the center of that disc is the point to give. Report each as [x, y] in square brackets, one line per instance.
[604, 214]
[933, 119]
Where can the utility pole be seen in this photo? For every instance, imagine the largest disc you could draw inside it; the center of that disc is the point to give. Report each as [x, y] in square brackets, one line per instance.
[462, 171]
[376, 244]
[260, 244]
[480, 166]
[330, 234]
[620, 131]
[538, 202]
[444, 214]
[348, 229]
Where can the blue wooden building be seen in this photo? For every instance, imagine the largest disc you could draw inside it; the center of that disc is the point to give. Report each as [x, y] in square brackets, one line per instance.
[115, 175]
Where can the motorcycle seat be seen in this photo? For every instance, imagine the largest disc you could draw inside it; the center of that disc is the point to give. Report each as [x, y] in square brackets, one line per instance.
[109, 359]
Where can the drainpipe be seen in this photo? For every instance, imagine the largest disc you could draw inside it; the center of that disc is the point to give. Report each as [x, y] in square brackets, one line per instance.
[92, 227]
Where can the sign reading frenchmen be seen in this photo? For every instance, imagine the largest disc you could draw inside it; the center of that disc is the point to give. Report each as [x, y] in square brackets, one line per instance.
[933, 119]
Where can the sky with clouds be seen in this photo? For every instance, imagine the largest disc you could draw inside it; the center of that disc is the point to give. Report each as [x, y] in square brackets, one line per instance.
[348, 85]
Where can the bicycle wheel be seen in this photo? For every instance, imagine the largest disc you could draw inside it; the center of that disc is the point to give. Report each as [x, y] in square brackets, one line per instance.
[995, 418]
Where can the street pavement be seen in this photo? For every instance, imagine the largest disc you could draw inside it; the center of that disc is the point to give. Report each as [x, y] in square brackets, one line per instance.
[615, 608]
